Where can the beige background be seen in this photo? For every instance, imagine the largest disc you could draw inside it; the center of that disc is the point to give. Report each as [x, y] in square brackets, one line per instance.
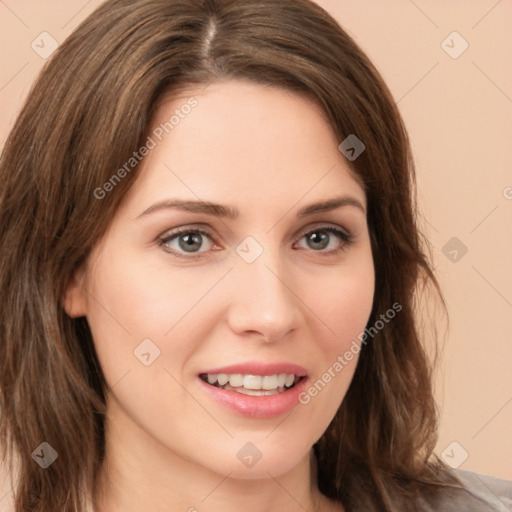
[459, 115]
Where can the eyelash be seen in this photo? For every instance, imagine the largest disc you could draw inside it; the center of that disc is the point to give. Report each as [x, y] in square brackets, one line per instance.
[345, 238]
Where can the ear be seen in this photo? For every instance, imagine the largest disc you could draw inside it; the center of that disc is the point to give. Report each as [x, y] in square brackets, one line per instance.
[74, 300]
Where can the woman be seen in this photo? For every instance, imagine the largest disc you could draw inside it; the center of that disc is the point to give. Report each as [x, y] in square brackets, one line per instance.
[211, 274]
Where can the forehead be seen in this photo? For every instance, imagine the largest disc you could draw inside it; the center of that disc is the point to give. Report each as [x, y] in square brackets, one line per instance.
[240, 142]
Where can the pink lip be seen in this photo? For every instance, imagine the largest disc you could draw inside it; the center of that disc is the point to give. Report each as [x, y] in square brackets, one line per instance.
[256, 368]
[258, 406]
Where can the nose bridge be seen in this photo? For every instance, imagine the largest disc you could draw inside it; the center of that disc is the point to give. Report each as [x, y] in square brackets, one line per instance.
[263, 301]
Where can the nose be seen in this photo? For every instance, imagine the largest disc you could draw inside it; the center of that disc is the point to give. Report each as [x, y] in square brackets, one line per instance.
[264, 305]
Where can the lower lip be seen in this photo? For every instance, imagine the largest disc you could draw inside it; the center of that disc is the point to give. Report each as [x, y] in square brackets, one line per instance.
[257, 406]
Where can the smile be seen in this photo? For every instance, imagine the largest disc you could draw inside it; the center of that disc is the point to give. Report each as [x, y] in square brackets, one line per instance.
[252, 385]
[255, 389]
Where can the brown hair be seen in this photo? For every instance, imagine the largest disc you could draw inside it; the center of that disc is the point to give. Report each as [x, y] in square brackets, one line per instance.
[85, 116]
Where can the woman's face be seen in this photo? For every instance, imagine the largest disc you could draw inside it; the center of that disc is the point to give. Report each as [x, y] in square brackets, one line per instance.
[264, 284]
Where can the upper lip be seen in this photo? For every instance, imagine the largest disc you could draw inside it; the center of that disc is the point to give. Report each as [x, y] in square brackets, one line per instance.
[259, 368]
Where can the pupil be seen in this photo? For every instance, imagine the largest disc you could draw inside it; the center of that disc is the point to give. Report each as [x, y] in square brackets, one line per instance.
[190, 242]
[321, 238]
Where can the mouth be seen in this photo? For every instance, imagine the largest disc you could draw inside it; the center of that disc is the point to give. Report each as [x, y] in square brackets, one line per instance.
[253, 385]
[255, 389]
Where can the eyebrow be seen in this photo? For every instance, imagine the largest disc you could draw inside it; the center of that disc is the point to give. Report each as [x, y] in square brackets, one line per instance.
[230, 212]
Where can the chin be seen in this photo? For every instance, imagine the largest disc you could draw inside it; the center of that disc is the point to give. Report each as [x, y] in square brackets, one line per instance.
[267, 455]
[263, 470]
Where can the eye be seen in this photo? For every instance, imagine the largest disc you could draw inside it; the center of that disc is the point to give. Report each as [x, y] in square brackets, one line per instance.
[192, 242]
[327, 237]
[187, 240]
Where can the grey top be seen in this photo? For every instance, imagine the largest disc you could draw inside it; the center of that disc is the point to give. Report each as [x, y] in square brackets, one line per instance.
[479, 493]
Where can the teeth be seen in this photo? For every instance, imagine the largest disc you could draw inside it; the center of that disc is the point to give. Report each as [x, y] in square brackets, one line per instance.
[256, 385]
[290, 379]
[222, 379]
[269, 382]
[252, 382]
[236, 380]
[253, 392]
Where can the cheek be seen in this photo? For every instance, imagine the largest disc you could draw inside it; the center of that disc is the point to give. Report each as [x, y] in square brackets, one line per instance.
[133, 299]
[145, 298]
[345, 304]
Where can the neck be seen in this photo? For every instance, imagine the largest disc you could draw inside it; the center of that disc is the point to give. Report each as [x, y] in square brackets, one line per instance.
[138, 473]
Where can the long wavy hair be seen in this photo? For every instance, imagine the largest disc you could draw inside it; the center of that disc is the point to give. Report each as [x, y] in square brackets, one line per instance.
[87, 113]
